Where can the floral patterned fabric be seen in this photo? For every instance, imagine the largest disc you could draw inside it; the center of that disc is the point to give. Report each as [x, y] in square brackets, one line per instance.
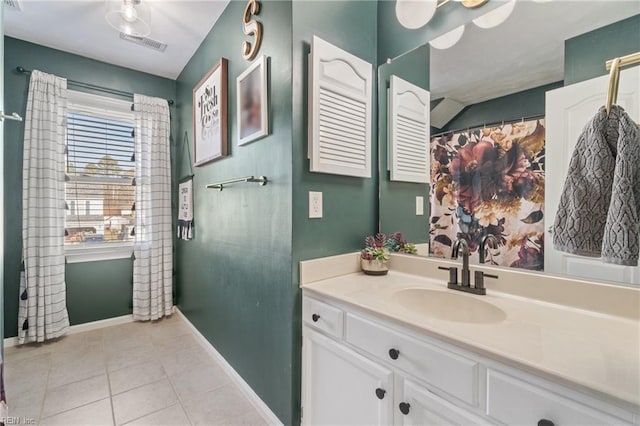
[490, 181]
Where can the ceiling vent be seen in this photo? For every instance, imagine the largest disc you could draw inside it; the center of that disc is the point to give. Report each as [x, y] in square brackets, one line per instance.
[142, 41]
[13, 4]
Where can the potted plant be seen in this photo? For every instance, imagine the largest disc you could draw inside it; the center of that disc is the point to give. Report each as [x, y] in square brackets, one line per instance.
[374, 258]
[398, 244]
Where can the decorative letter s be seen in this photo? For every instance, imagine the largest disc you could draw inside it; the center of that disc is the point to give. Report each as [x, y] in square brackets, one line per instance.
[251, 27]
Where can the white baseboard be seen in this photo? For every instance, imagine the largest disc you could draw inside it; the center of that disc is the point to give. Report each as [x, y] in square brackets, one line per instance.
[255, 400]
[79, 328]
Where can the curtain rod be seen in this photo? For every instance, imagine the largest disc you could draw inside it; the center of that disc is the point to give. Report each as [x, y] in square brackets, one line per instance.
[478, 126]
[22, 70]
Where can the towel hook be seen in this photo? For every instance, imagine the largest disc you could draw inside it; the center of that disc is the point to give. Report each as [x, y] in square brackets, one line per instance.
[614, 79]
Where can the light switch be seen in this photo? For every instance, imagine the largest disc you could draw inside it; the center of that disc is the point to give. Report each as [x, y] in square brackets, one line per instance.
[315, 205]
[419, 206]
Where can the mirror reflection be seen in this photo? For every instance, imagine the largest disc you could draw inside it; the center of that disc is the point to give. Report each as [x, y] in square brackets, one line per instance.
[506, 105]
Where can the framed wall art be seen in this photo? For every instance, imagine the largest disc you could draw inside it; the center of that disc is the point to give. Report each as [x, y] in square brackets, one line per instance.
[253, 102]
[210, 115]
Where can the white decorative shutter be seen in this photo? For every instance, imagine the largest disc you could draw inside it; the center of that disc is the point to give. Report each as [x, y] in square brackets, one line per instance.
[409, 106]
[340, 91]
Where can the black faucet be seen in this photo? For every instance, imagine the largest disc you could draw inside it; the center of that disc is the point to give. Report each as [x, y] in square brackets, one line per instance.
[466, 274]
[465, 285]
[482, 251]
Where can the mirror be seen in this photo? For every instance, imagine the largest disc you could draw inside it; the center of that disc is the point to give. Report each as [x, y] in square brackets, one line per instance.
[489, 95]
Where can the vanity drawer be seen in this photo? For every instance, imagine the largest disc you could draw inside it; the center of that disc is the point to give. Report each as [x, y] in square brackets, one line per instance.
[445, 370]
[514, 401]
[323, 316]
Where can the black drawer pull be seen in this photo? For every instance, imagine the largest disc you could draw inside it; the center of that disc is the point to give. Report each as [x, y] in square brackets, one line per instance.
[380, 393]
[545, 422]
[315, 317]
[404, 408]
[393, 353]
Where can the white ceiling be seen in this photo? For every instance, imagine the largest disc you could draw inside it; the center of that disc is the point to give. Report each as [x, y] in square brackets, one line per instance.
[80, 27]
[524, 52]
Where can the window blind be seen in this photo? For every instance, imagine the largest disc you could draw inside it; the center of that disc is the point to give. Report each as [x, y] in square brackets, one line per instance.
[100, 179]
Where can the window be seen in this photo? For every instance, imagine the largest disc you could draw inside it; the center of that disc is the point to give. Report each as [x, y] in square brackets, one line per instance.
[100, 178]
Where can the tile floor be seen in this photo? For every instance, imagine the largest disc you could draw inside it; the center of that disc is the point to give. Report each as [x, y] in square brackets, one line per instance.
[134, 374]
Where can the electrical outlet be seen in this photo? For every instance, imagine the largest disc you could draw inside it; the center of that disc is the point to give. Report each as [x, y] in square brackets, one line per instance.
[419, 206]
[315, 205]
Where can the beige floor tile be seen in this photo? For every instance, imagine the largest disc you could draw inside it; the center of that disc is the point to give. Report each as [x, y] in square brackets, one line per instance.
[133, 356]
[251, 418]
[73, 395]
[170, 416]
[142, 401]
[182, 341]
[177, 360]
[95, 414]
[93, 336]
[170, 330]
[135, 375]
[89, 364]
[128, 330]
[15, 367]
[26, 406]
[66, 356]
[17, 385]
[127, 342]
[24, 352]
[198, 380]
[68, 343]
[51, 379]
[222, 406]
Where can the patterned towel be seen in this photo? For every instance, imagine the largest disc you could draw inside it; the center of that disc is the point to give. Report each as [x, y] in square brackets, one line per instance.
[599, 211]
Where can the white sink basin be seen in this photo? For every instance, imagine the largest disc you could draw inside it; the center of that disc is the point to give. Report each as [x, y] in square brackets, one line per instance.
[448, 305]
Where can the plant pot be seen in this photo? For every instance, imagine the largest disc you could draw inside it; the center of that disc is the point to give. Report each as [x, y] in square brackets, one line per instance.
[374, 267]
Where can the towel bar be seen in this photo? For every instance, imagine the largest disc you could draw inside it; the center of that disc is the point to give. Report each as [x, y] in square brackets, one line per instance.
[261, 180]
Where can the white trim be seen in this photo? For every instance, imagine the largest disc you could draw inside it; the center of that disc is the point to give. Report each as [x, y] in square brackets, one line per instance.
[80, 328]
[103, 106]
[101, 251]
[255, 400]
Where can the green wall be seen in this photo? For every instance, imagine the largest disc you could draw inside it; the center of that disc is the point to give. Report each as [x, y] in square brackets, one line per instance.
[99, 290]
[586, 54]
[527, 103]
[111, 280]
[397, 199]
[234, 278]
[350, 204]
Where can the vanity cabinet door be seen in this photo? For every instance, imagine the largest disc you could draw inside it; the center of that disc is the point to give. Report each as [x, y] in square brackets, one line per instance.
[513, 401]
[416, 405]
[453, 373]
[341, 387]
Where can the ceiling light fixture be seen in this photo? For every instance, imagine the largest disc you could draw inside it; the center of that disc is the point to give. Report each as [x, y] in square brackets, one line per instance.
[415, 14]
[129, 17]
[128, 12]
[447, 40]
[496, 17]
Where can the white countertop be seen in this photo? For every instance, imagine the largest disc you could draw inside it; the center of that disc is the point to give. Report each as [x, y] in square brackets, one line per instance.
[595, 351]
